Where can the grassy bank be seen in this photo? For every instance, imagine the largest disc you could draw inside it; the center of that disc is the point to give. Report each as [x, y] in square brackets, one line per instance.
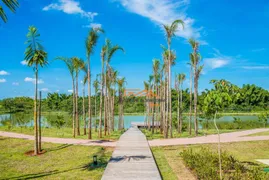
[172, 165]
[61, 133]
[59, 162]
[266, 133]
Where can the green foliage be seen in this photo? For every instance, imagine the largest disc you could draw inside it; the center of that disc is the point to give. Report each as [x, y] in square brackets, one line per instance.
[263, 118]
[11, 5]
[205, 164]
[17, 104]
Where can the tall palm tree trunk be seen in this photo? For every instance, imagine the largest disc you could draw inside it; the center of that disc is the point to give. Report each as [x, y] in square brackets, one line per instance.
[195, 104]
[77, 118]
[178, 113]
[89, 100]
[113, 108]
[35, 112]
[161, 108]
[181, 110]
[74, 108]
[105, 104]
[39, 122]
[190, 115]
[166, 107]
[101, 102]
[95, 113]
[169, 95]
[153, 111]
[83, 109]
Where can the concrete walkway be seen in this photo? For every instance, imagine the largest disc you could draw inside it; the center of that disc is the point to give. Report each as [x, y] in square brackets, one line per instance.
[132, 158]
[225, 137]
[61, 140]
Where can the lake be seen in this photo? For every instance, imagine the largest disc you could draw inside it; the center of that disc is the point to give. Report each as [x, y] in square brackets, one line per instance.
[22, 119]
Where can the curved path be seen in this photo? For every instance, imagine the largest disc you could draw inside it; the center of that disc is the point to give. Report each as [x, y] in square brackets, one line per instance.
[61, 140]
[225, 137]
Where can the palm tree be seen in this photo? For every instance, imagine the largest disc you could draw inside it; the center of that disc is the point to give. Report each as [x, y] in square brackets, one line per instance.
[12, 5]
[191, 72]
[179, 82]
[170, 32]
[146, 88]
[96, 89]
[103, 57]
[110, 51]
[91, 42]
[83, 103]
[121, 82]
[156, 67]
[78, 65]
[35, 56]
[195, 58]
[71, 68]
[168, 121]
[114, 82]
[150, 81]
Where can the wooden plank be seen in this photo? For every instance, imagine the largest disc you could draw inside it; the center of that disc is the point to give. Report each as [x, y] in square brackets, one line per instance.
[132, 158]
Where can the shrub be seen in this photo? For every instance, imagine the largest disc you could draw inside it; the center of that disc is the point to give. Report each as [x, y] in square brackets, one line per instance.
[205, 164]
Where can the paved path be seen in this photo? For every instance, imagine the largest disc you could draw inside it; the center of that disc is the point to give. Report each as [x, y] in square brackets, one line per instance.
[225, 137]
[132, 159]
[61, 140]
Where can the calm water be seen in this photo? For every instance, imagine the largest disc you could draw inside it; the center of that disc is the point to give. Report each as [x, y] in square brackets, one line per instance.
[22, 119]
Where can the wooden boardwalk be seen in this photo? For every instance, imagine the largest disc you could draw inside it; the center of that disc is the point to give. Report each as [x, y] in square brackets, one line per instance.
[132, 158]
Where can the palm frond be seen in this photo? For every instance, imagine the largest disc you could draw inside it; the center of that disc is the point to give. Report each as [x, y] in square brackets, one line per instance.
[12, 5]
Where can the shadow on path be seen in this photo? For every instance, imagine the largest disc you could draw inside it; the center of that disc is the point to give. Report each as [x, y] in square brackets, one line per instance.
[127, 158]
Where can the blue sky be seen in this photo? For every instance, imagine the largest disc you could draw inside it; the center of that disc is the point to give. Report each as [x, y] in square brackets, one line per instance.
[234, 40]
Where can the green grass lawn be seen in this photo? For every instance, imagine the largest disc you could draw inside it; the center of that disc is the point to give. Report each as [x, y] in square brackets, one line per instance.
[171, 164]
[59, 162]
[61, 133]
[158, 135]
[266, 133]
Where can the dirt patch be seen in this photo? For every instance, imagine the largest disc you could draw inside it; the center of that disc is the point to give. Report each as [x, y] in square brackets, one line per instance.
[32, 153]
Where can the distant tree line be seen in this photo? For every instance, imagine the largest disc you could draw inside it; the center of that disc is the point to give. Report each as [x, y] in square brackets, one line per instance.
[252, 98]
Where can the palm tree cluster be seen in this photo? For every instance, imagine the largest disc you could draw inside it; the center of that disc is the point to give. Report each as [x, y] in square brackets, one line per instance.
[109, 79]
[159, 85]
[107, 83]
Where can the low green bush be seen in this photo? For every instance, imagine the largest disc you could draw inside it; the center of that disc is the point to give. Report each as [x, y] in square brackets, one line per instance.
[205, 164]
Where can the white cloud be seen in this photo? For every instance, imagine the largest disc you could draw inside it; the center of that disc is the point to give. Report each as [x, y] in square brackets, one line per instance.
[165, 12]
[3, 80]
[258, 50]
[57, 90]
[255, 67]
[44, 89]
[93, 25]
[4, 72]
[70, 7]
[28, 79]
[217, 61]
[15, 84]
[24, 62]
[70, 90]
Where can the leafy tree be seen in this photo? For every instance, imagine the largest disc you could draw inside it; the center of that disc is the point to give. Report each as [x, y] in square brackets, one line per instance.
[216, 101]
